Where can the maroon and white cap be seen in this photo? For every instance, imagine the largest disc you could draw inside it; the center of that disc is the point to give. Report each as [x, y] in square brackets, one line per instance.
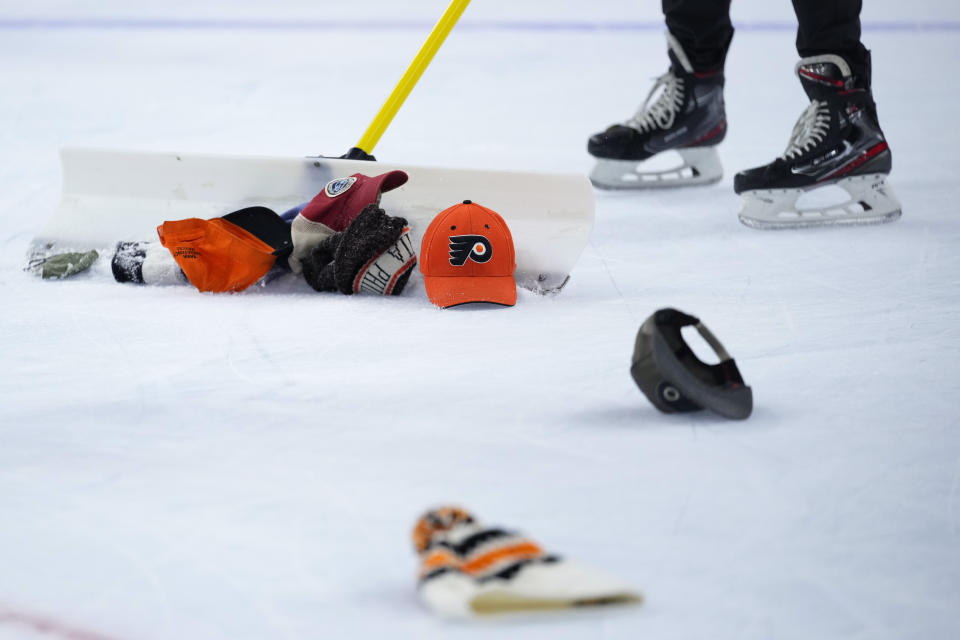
[335, 207]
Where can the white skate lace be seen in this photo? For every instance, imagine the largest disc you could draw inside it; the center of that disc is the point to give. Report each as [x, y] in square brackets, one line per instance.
[662, 112]
[811, 128]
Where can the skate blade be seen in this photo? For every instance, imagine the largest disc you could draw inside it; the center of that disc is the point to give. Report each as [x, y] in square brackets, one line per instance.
[699, 166]
[871, 201]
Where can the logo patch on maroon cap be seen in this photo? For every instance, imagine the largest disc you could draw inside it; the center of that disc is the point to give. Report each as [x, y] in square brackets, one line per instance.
[339, 186]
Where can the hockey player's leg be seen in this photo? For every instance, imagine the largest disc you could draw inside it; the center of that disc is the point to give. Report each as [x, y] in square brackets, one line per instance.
[703, 29]
[683, 113]
[837, 141]
[832, 26]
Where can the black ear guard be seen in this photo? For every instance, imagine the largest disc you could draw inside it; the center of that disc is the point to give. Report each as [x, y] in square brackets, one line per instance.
[675, 380]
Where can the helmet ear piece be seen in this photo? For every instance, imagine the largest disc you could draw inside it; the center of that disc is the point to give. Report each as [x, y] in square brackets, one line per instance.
[671, 376]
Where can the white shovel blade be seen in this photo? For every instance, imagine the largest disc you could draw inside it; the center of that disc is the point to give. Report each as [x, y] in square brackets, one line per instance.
[121, 195]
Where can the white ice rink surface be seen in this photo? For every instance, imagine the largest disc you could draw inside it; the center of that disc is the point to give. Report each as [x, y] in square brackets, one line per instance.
[179, 466]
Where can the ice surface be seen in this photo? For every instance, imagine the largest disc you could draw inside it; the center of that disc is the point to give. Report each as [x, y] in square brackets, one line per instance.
[184, 466]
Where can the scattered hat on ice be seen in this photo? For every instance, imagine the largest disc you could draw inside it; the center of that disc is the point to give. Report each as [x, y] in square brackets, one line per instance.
[228, 253]
[467, 255]
[468, 570]
[335, 207]
[675, 380]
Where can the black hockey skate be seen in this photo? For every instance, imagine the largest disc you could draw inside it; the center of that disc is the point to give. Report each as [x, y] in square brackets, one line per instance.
[837, 141]
[686, 116]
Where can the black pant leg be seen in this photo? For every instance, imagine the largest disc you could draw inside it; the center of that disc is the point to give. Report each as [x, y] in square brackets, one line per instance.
[832, 26]
[703, 29]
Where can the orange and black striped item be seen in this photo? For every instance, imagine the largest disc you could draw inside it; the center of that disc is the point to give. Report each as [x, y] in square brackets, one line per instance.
[449, 540]
[436, 520]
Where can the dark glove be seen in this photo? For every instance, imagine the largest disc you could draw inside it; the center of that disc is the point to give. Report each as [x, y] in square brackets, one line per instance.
[374, 254]
[318, 264]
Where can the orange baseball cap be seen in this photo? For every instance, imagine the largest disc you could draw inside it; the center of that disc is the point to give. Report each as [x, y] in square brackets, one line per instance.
[466, 256]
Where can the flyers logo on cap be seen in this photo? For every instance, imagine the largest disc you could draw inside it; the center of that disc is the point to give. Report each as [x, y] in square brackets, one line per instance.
[476, 248]
[467, 255]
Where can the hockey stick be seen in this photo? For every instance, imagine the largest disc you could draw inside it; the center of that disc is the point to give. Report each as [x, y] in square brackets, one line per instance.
[444, 25]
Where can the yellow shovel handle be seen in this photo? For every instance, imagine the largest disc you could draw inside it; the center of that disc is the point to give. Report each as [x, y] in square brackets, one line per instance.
[413, 73]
